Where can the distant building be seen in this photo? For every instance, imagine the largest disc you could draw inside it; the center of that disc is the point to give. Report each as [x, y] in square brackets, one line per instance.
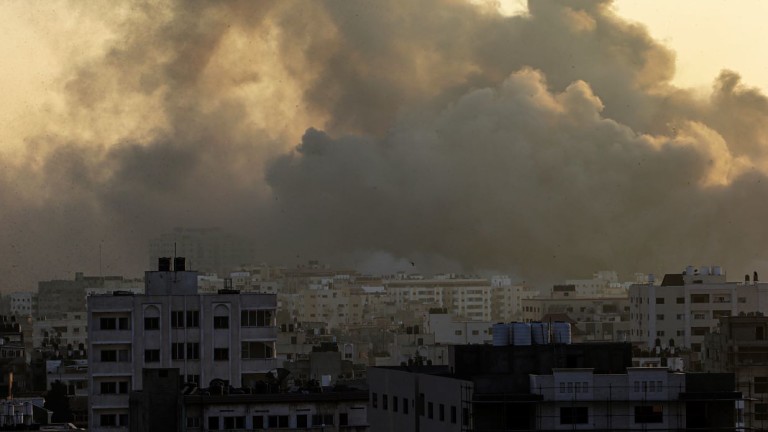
[56, 298]
[687, 306]
[229, 336]
[206, 249]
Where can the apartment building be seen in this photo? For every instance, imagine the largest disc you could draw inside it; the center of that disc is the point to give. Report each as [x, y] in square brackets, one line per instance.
[469, 298]
[687, 306]
[162, 406]
[740, 345]
[229, 336]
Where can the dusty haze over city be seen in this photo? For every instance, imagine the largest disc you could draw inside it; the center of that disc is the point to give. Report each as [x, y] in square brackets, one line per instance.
[381, 135]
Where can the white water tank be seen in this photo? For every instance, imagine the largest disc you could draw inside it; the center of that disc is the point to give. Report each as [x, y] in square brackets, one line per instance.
[561, 332]
[500, 333]
[520, 333]
[540, 333]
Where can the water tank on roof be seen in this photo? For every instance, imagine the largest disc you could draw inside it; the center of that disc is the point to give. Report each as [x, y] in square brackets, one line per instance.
[520, 333]
[717, 270]
[540, 333]
[561, 332]
[500, 333]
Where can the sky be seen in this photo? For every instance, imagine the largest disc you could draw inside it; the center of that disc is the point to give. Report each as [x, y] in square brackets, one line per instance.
[546, 141]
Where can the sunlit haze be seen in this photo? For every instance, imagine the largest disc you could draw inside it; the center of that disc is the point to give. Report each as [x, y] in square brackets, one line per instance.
[541, 143]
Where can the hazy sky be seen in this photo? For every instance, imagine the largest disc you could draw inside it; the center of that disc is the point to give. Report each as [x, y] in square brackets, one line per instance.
[574, 137]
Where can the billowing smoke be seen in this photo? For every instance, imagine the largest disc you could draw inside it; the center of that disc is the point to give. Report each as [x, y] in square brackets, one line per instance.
[432, 134]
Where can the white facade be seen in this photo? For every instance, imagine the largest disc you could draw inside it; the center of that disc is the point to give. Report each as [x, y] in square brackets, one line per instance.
[229, 336]
[641, 399]
[21, 303]
[686, 307]
[447, 329]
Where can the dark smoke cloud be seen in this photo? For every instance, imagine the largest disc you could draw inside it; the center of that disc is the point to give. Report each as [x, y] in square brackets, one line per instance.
[548, 145]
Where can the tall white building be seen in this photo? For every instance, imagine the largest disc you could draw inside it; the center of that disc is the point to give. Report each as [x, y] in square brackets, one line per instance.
[229, 336]
[687, 306]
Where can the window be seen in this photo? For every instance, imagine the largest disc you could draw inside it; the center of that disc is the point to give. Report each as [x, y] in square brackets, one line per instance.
[193, 422]
[562, 387]
[221, 354]
[258, 422]
[660, 333]
[659, 300]
[108, 323]
[394, 403]
[761, 411]
[659, 317]
[574, 415]
[717, 314]
[649, 414]
[699, 298]
[193, 318]
[465, 416]
[108, 388]
[374, 400]
[114, 355]
[151, 355]
[681, 332]
[742, 300]
[221, 322]
[108, 419]
[256, 318]
[636, 386]
[680, 316]
[213, 423]
[109, 355]
[151, 323]
[193, 350]
[123, 323]
[384, 404]
[761, 384]
[343, 419]
[430, 410]
[441, 412]
[457, 332]
[234, 422]
[320, 419]
[759, 333]
[177, 351]
[681, 300]
[301, 421]
[453, 414]
[193, 378]
[699, 331]
[177, 319]
[696, 347]
[256, 350]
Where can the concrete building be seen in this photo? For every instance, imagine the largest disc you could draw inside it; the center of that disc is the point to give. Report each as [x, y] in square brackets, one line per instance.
[687, 306]
[548, 387]
[740, 345]
[449, 329]
[21, 303]
[56, 298]
[218, 408]
[229, 336]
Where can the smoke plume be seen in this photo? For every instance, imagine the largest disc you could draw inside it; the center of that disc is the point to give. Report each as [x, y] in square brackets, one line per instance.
[435, 133]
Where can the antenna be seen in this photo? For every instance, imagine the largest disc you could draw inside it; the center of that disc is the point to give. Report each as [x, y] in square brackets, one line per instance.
[101, 274]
